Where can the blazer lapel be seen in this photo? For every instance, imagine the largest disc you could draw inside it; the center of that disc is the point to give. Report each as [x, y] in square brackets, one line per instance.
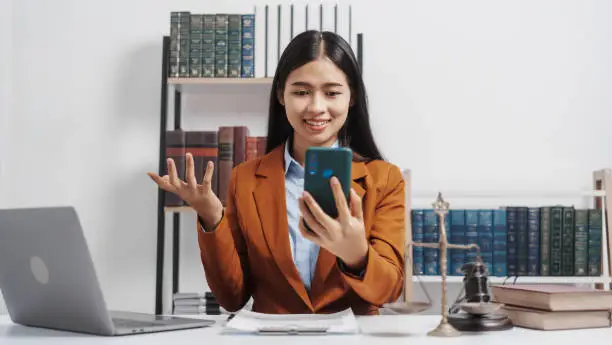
[270, 200]
[327, 260]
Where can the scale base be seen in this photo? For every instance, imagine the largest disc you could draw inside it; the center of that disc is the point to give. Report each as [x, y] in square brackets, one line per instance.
[480, 323]
[444, 330]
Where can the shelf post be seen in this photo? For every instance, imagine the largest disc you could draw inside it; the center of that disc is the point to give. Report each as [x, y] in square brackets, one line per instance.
[176, 216]
[161, 216]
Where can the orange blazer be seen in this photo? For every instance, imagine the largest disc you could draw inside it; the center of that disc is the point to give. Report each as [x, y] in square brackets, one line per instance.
[249, 255]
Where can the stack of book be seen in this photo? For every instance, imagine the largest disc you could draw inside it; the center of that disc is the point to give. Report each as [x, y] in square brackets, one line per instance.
[193, 303]
[226, 147]
[554, 307]
[558, 240]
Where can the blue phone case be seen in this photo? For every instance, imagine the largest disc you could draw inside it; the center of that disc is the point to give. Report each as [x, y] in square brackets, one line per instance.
[321, 164]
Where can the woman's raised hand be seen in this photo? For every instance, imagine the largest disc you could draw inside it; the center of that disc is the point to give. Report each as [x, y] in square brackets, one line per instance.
[199, 196]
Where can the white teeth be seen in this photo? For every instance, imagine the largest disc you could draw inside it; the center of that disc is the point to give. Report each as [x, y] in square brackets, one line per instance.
[316, 123]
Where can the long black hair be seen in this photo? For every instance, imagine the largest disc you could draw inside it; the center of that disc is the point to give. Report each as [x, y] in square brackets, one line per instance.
[304, 48]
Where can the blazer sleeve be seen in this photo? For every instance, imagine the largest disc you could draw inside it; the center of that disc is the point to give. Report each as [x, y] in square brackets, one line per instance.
[383, 278]
[224, 256]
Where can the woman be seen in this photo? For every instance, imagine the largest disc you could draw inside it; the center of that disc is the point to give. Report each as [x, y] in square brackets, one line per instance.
[258, 245]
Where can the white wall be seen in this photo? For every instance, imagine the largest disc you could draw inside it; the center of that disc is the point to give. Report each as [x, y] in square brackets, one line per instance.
[5, 99]
[509, 95]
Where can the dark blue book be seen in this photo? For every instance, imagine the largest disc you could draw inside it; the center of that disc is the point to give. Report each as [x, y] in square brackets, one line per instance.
[431, 234]
[417, 236]
[485, 238]
[521, 241]
[247, 69]
[457, 236]
[512, 257]
[594, 242]
[533, 241]
[471, 233]
[500, 243]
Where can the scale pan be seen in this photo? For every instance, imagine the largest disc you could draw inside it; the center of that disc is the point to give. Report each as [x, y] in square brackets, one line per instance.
[407, 307]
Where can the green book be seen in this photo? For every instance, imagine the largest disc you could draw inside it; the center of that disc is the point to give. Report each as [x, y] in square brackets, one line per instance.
[581, 238]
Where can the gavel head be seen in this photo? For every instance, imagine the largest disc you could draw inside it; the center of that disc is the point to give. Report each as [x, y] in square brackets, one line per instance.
[475, 283]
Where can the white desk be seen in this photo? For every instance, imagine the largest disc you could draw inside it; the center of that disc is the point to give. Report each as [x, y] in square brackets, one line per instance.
[414, 329]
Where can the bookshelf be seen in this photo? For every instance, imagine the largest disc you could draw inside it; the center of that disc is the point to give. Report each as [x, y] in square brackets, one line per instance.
[179, 87]
[602, 187]
[198, 85]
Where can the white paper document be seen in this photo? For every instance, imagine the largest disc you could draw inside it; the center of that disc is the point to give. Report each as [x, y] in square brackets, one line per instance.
[343, 322]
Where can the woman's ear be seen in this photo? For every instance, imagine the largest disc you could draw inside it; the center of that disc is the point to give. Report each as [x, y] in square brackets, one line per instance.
[352, 100]
[279, 95]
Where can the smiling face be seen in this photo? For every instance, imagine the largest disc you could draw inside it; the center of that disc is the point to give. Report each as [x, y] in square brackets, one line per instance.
[316, 98]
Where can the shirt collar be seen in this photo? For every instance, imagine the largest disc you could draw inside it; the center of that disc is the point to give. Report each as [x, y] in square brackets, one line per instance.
[289, 159]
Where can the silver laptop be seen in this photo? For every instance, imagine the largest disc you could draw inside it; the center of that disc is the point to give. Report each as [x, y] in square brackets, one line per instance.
[48, 280]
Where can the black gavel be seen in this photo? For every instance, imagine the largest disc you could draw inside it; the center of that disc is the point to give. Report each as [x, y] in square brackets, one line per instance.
[475, 282]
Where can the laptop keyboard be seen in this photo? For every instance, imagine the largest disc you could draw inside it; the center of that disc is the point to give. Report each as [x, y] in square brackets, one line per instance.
[129, 323]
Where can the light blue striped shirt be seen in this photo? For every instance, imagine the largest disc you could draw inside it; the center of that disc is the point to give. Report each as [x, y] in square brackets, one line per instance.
[305, 252]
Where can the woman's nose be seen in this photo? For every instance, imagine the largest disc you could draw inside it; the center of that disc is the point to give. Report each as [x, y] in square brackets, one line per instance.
[317, 104]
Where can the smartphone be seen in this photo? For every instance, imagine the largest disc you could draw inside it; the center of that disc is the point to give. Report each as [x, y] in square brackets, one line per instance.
[321, 164]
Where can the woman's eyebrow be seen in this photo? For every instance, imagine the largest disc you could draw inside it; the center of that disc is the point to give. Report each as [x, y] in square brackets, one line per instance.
[306, 84]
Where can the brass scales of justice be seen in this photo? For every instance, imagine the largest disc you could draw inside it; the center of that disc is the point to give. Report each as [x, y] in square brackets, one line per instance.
[474, 312]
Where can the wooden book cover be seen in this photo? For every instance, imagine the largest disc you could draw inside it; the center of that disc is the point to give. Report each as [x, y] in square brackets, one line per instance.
[553, 297]
[557, 320]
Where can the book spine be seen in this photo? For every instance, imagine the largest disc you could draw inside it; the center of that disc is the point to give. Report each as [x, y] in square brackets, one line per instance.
[418, 225]
[226, 160]
[567, 242]
[221, 45]
[512, 258]
[485, 238]
[208, 46]
[240, 142]
[533, 241]
[457, 236]
[500, 243]
[545, 241]
[556, 234]
[581, 238]
[471, 233]
[521, 240]
[195, 46]
[594, 244]
[261, 146]
[431, 234]
[251, 148]
[234, 45]
[179, 44]
[247, 69]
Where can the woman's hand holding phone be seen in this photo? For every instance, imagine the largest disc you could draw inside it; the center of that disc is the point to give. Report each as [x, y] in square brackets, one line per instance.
[199, 196]
[344, 236]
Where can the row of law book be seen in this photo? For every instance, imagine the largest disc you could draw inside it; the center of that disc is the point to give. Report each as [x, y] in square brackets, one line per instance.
[554, 307]
[247, 45]
[513, 241]
[226, 148]
[196, 303]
